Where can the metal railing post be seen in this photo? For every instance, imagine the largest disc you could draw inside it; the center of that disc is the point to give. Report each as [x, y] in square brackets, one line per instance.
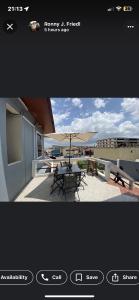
[107, 171]
[34, 167]
[130, 185]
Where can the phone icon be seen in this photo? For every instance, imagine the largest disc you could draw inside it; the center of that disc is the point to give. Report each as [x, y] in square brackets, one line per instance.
[44, 278]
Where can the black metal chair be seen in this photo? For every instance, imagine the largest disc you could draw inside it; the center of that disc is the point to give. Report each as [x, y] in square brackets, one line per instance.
[83, 176]
[63, 164]
[83, 173]
[57, 182]
[70, 184]
[79, 180]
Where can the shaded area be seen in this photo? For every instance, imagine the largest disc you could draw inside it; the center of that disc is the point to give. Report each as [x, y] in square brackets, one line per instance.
[95, 190]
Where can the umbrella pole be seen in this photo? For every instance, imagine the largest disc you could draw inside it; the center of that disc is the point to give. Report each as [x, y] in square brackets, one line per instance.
[70, 150]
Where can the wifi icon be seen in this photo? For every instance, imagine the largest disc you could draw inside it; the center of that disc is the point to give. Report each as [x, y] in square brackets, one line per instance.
[118, 8]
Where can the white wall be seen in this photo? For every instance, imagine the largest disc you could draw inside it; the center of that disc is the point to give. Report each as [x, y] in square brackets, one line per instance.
[14, 137]
[13, 177]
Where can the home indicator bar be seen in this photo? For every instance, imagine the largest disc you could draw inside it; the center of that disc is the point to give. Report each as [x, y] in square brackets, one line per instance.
[70, 296]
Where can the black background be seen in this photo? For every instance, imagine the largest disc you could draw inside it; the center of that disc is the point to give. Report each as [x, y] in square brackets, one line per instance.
[72, 236]
[99, 60]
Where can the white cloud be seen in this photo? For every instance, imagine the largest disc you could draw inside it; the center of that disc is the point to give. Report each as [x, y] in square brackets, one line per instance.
[58, 118]
[127, 128]
[98, 121]
[77, 102]
[131, 105]
[87, 114]
[67, 99]
[99, 103]
[107, 124]
[53, 102]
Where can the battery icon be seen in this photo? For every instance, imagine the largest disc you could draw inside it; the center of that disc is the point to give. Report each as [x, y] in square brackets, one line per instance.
[127, 8]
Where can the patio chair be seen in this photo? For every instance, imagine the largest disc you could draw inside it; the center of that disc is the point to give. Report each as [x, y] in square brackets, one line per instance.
[57, 182]
[63, 164]
[70, 184]
[84, 172]
[83, 175]
[79, 177]
[92, 167]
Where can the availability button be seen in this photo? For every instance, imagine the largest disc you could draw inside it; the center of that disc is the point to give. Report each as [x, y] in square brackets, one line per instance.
[15, 277]
[123, 277]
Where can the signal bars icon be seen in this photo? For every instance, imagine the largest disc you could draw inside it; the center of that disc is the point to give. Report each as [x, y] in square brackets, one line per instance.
[110, 9]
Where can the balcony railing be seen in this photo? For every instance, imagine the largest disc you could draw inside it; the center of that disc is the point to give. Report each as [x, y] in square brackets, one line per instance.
[105, 173]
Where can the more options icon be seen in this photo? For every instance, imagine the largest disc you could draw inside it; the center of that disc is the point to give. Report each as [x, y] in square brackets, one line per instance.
[51, 277]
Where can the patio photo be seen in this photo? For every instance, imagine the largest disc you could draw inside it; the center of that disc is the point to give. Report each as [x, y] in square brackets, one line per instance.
[69, 149]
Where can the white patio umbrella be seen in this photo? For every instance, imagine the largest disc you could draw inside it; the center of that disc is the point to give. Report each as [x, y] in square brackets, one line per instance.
[69, 137]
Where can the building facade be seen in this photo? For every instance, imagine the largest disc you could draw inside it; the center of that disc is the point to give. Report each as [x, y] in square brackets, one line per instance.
[23, 121]
[118, 142]
[127, 153]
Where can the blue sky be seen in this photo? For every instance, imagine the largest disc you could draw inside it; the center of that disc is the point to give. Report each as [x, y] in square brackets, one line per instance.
[110, 117]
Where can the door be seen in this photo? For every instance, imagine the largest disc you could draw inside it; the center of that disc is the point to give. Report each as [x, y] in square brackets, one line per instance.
[28, 150]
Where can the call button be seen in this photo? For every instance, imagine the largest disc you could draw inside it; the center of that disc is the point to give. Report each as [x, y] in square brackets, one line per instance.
[51, 277]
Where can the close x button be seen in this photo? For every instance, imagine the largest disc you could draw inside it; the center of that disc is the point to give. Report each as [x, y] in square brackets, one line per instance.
[51, 277]
[9, 26]
[86, 277]
[123, 277]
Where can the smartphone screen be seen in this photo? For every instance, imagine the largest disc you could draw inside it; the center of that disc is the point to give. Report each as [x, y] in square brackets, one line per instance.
[69, 150]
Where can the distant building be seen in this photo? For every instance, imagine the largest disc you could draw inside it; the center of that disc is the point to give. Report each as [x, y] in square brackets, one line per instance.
[88, 151]
[122, 153]
[75, 150]
[117, 142]
[23, 123]
[59, 150]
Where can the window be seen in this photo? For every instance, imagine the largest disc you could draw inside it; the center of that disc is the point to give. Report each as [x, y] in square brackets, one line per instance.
[13, 135]
[39, 145]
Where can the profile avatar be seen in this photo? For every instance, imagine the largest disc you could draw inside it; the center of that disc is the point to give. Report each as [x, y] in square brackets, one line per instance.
[34, 26]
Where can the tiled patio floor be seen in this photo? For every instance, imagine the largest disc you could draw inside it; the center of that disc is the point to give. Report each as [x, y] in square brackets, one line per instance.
[38, 190]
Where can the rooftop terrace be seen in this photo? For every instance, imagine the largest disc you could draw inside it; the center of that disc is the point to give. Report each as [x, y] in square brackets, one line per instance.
[96, 190]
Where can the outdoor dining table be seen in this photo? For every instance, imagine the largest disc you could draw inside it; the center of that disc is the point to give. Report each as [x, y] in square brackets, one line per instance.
[65, 170]
[59, 176]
